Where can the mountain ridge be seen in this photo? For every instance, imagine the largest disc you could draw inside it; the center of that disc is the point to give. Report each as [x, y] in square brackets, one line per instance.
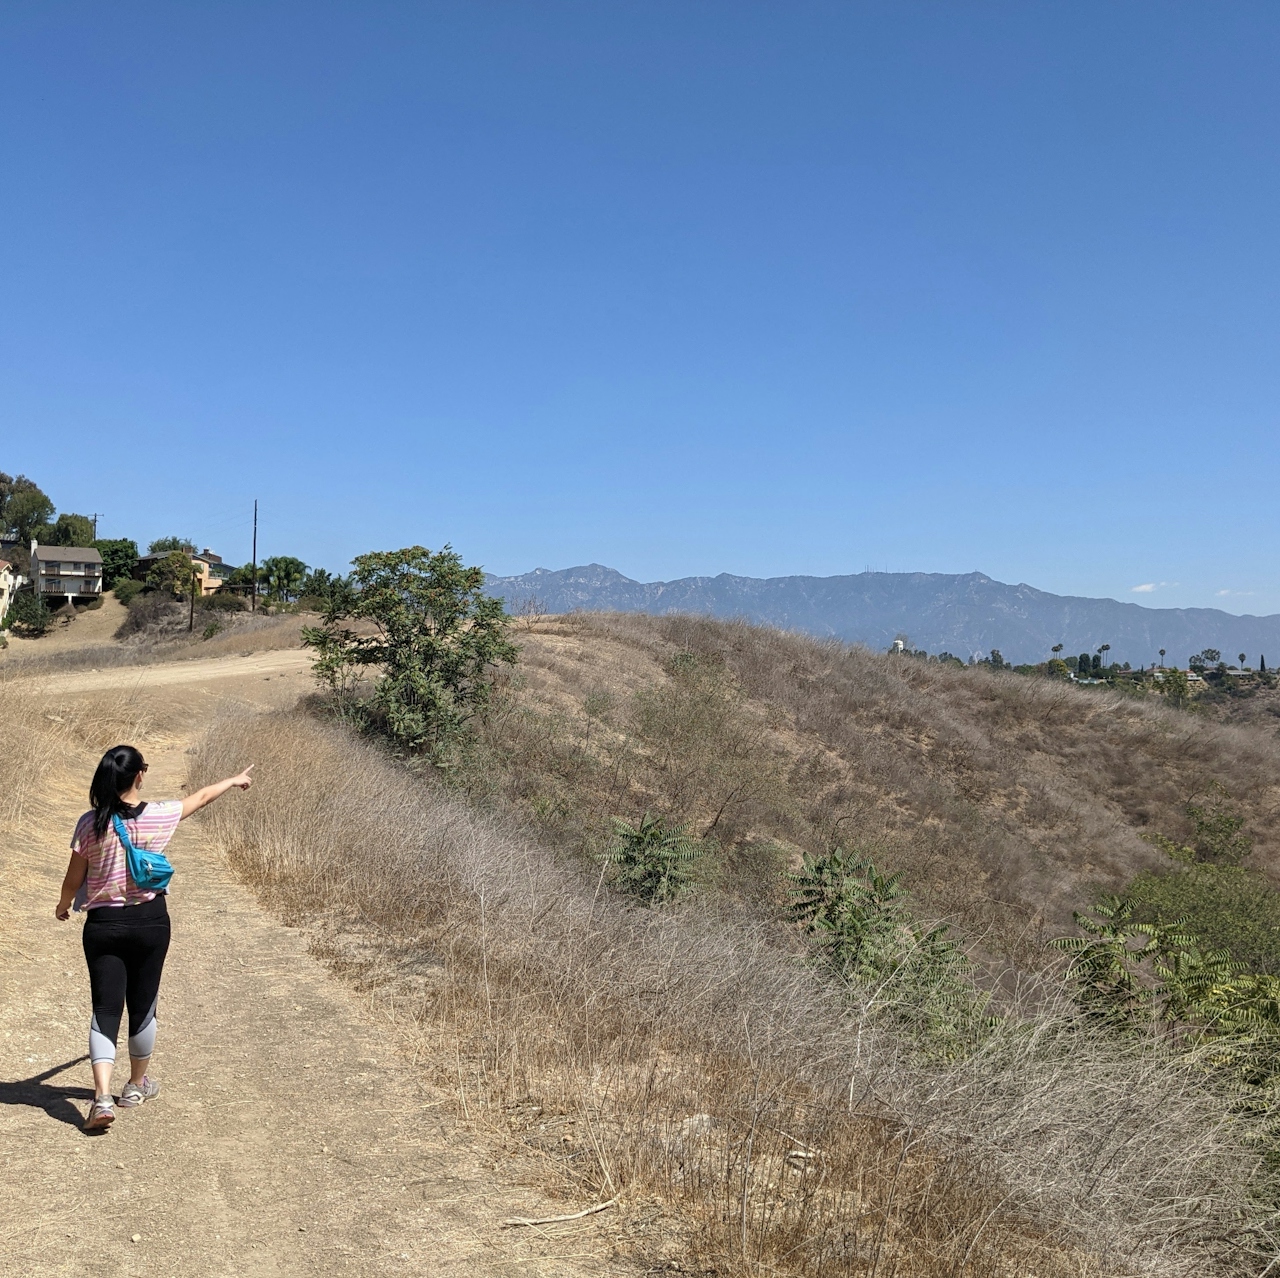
[966, 614]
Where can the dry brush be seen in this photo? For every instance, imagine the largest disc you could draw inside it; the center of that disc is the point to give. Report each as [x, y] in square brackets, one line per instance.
[695, 1055]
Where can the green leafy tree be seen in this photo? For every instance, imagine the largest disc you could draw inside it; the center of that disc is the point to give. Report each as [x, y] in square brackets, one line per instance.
[1083, 665]
[281, 577]
[1175, 688]
[162, 544]
[25, 511]
[1203, 660]
[119, 559]
[437, 638]
[653, 861]
[70, 530]
[324, 586]
[174, 573]
[243, 577]
[28, 615]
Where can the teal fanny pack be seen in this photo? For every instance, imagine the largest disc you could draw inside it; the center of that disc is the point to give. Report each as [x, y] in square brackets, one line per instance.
[150, 871]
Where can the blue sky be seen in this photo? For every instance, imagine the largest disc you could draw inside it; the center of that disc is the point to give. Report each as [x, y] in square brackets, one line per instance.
[677, 287]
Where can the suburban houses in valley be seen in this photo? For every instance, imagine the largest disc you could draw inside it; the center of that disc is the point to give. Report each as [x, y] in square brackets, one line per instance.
[66, 574]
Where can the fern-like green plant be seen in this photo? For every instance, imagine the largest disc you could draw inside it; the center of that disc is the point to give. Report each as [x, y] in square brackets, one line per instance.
[865, 932]
[856, 914]
[652, 861]
[1107, 959]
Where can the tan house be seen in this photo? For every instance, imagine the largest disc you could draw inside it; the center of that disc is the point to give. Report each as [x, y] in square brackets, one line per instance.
[211, 572]
[66, 574]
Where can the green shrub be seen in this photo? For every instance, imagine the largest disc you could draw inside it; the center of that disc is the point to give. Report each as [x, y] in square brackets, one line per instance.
[867, 935]
[223, 603]
[1207, 889]
[119, 559]
[155, 610]
[654, 862]
[28, 615]
[438, 637]
[127, 590]
[213, 628]
[1229, 907]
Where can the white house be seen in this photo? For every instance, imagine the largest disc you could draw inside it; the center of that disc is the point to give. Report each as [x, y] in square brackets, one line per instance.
[66, 574]
[8, 584]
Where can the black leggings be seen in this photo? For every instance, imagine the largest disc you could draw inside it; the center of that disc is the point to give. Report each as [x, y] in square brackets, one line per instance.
[125, 946]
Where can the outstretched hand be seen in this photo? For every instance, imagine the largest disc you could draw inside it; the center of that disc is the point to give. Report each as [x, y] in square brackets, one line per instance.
[243, 780]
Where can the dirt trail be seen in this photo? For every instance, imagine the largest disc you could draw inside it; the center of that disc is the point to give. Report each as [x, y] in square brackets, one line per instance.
[292, 1136]
[207, 670]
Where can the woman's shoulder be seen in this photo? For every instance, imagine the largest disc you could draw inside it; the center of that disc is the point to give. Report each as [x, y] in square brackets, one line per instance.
[83, 831]
[161, 810]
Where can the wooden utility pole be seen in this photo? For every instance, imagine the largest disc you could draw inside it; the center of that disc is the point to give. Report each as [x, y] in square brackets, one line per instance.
[95, 517]
[253, 607]
[191, 588]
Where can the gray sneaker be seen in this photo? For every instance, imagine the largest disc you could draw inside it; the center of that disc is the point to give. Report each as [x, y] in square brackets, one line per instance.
[102, 1113]
[135, 1093]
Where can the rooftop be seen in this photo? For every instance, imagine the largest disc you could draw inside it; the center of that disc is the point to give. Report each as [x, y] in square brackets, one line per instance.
[58, 554]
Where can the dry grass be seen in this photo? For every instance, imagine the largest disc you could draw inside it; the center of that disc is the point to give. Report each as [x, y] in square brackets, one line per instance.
[244, 635]
[1008, 801]
[693, 1055]
[39, 736]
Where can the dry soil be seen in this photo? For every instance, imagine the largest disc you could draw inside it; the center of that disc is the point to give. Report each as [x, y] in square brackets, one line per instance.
[293, 1135]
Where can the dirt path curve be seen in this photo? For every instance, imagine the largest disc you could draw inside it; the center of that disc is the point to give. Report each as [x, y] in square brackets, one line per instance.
[292, 1137]
[211, 670]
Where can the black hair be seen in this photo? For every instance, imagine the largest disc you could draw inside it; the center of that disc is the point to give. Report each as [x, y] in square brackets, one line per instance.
[115, 776]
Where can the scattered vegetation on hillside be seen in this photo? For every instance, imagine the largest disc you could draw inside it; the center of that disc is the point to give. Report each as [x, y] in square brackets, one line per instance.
[745, 789]
[693, 1053]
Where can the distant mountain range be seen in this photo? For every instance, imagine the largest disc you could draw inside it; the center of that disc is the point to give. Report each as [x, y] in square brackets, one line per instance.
[964, 614]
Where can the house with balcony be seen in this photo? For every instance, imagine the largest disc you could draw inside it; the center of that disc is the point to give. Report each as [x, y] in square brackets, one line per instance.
[66, 574]
[211, 572]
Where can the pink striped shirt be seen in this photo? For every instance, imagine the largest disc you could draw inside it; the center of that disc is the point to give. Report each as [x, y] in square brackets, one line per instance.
[108, 881]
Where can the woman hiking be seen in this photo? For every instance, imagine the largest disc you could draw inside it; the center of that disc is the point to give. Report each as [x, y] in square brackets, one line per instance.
[126, 933]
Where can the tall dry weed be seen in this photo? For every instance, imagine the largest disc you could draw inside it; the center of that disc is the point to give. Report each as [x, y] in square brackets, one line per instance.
[39, 733]
[693, 1055]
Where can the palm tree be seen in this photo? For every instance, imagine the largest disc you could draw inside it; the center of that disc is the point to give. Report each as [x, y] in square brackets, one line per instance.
[1161, 658]
[1057, 648]
[1102, 651]
[1242, 661]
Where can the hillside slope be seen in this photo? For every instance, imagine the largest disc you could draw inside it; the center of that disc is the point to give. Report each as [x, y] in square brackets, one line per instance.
[963, 614]
[1008, 801]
